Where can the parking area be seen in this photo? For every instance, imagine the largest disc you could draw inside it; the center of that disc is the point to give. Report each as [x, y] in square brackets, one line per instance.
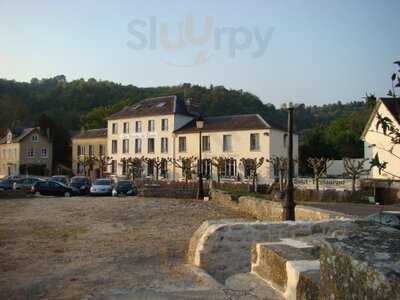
[70, 248]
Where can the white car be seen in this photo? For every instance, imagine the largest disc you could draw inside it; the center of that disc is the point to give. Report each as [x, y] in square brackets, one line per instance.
[102, 187]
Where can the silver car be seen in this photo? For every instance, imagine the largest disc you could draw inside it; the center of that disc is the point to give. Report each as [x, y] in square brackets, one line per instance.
[102, 187]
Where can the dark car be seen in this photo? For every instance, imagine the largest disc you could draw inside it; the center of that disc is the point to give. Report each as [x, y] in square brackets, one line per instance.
[124, 187]
[54, 188]
[82, 183]
[60, 178]
[26, 183]
[6, 184]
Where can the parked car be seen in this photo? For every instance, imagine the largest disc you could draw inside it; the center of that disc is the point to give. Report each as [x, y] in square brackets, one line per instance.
[102, 187]
[54, 188]
[82, 183]
[7, 184]
[124, 187]
[387, 218]
[26, 183]
[60, 178]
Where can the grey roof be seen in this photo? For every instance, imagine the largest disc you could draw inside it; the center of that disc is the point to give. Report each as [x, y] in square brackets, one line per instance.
[19, 134]
[91, 134]
[229, 123]
[164, 105]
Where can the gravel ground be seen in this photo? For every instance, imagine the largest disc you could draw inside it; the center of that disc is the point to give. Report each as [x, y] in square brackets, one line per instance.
[72, 248]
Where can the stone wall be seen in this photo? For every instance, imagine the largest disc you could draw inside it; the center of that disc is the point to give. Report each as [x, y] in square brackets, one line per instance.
[266, 210]
[364, 264]
[223, 248]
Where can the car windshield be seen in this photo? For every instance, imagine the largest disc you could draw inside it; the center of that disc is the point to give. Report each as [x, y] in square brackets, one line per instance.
[78, 180]
[124, 183]
[56, 178]
[102, 182]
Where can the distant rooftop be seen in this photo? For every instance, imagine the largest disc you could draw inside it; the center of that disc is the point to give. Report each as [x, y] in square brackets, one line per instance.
[164, 105]
[91, 134]
[229, 123]
[19, 134]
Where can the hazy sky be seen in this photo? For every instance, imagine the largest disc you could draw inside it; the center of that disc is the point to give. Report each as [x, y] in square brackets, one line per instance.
[304, 51]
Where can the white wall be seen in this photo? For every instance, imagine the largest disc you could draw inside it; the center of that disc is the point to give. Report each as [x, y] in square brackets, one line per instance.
[377, 142]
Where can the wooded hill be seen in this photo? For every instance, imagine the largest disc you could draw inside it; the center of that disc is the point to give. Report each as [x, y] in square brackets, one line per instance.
[331, 130]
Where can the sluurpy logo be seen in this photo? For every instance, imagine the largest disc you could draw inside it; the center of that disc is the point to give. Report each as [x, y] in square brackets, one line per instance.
[152, 34]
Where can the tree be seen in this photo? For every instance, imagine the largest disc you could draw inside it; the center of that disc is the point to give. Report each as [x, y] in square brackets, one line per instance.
[218, 163]
[252, 165]
[354, 169]
[158, 162]
[319, 167]
[134, 165]
[186, 164]
[280, 164]
[88, 163]
[103, 161]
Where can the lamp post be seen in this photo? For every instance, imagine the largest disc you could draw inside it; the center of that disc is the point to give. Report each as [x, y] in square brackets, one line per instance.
[200, 190]
[289, 205]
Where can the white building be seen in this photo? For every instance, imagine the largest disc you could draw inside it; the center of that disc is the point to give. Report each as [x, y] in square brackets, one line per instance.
[376, 142]
[164, 127]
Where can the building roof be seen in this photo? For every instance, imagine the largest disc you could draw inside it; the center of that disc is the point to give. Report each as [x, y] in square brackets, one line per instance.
[91, 134]
[229, 123]
[392, 105]
[164, 105]
[19, 134]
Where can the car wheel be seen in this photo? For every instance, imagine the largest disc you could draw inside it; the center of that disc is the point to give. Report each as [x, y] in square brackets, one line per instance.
[67, 194]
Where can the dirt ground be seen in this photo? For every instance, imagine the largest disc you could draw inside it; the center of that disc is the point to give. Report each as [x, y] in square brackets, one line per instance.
[70, 248]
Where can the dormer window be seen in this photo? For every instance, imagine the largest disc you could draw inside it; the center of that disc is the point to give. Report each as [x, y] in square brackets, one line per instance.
[9, 138]
[35, 138]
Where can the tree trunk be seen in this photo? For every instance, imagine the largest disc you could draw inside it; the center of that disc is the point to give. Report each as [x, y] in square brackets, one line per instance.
[317, 183]
[353, 184]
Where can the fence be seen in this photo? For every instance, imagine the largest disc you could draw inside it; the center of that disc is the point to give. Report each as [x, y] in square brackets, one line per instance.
[337, 184]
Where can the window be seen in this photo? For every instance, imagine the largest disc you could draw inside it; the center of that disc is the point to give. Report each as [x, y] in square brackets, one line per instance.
[150, 126]
[126, 127]
[44, 152]
[114, 128]
[79, 150]
[182, 144]
[150, 167]
[113, 166]
[101, 150]
[164, 124]
[205, 143]
[90, 150]
[254, 141]
[30, 154]
[35, 138]
[138, 146]
[285, 137]
[247, 171]
[138, 126]
[229, 168]
[164, 145]
[205, 168]
[114, 146]
[227, 143]
[125, 146]
[150, 145]
[164, 168]
[124, 167]
[83, 150]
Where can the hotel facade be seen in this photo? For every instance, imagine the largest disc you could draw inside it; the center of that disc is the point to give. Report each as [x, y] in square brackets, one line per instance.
[164, 128]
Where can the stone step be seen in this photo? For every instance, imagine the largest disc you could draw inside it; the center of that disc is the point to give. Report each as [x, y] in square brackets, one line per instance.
[290, 266]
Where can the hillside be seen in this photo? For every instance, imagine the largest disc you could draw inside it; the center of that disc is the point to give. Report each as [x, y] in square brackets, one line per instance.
[85, 103]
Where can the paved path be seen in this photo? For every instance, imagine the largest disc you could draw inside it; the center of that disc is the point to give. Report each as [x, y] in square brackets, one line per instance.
[355, 209]
[82, 248]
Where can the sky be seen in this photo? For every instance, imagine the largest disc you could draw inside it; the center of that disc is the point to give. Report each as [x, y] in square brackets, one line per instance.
[309, 51]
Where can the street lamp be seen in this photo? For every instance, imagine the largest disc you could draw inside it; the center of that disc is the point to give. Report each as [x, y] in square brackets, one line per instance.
[289, 205]
[200, 191]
